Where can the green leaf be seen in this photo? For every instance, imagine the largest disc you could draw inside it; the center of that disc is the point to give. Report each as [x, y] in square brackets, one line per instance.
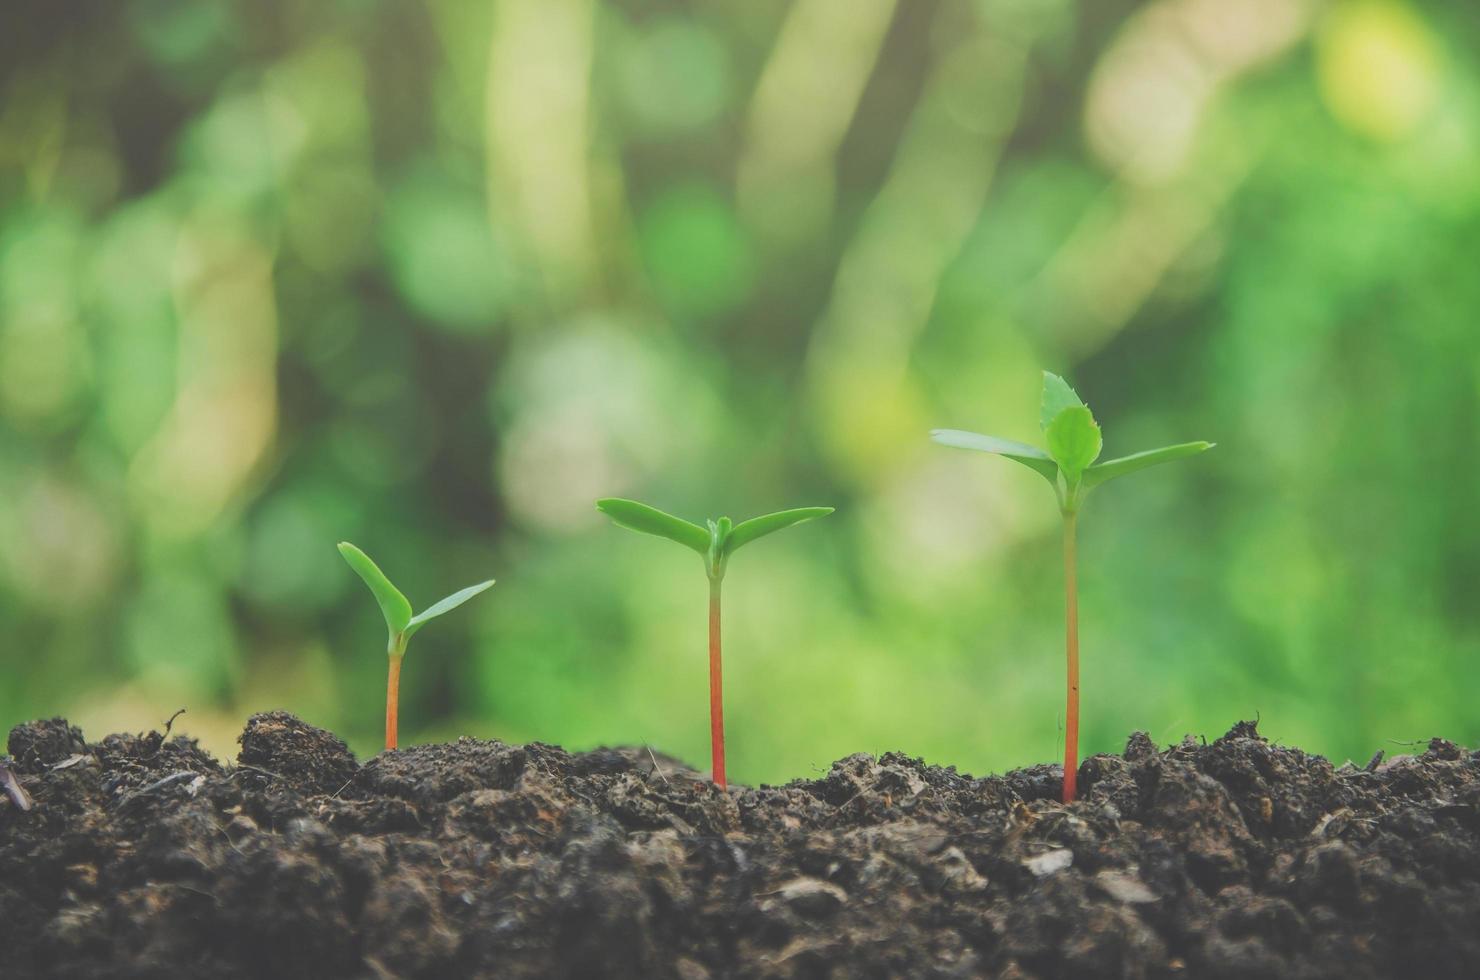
[758, 527]
[1112, 468]
[649, 520]
[445, 606]
[1019, 452]
[1057, 396]
[1074, 441]
[961, 439]
[393, 604]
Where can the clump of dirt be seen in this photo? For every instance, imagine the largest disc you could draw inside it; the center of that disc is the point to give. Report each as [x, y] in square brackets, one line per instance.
[143, 856]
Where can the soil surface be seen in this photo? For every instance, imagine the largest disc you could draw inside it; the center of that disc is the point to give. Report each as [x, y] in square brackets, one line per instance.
[144, 857]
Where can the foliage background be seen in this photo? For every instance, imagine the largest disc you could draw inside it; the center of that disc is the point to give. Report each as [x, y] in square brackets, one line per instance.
[433, 276]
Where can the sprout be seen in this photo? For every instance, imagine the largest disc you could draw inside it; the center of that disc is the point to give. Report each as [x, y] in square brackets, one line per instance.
[715, 546]
[399, 622]
[1069, 465]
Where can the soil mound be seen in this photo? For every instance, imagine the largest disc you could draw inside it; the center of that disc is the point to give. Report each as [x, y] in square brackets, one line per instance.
[145, 857]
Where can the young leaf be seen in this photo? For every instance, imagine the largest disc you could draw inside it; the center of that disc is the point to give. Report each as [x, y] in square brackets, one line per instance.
[1074, 441]
[1057, 396]
[445, 606]
[393, 604]
[649, 520]
[1112, 468]
[758, 527]
[1019, 452]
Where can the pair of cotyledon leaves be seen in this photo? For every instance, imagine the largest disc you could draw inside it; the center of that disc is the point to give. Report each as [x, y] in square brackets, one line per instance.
[1074, 443]
[394, 606]
[717, 543]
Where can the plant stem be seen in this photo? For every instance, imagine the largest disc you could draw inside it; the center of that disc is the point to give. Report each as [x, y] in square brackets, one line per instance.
[396, 649]
[392, 701]
[1071, 643]
[716, 689]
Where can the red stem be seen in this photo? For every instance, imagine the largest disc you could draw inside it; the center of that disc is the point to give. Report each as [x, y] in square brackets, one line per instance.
[1071, 642]
[716, 689]
[392, 701]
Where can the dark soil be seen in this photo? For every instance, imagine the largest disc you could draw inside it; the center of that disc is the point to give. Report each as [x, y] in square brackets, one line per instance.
[144, 857]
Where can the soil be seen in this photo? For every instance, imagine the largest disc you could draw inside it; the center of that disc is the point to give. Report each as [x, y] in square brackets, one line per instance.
[143, 856]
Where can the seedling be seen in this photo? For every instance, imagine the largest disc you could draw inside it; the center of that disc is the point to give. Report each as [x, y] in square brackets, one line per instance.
[1069, 465]
[399, 622]
[715, 546]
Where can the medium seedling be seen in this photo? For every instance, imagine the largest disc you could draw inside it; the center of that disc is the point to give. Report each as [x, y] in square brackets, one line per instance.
[715, 545]
[1069, 465]
[399, 622]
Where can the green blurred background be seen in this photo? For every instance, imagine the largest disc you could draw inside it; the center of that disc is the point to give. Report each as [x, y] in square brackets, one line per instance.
[433, 276]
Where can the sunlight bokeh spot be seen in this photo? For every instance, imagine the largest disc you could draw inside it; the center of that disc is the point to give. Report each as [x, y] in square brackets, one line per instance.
[1380, 68]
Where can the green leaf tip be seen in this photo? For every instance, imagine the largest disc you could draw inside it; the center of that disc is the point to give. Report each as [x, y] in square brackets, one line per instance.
[1057, 396]
[650, 520]
[1019, 452]
[446, 605]
[1111, 468]
[758, 527]
[393, 605]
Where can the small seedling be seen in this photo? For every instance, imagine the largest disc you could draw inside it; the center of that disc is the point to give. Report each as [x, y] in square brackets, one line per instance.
[715, 546]
[1069, 465]
[400, 623]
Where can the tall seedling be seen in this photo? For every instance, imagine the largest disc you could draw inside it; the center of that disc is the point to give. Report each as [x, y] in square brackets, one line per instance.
[1074, 443]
